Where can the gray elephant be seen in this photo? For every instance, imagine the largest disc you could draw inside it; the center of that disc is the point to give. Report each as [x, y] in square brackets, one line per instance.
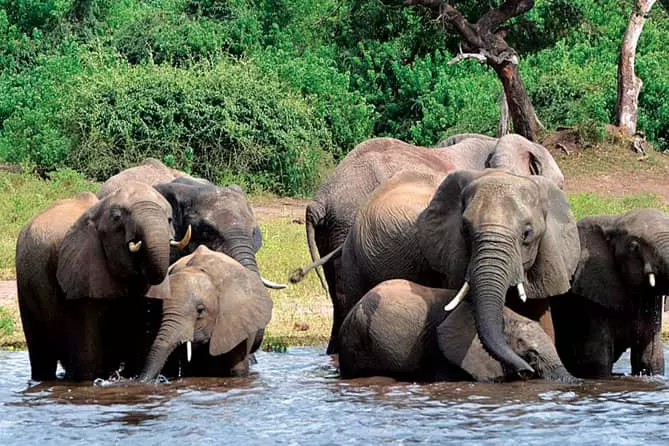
[330, 215]
[150, 171]
[82, 268]
[489, 230]
[215, 305]
[616, 300]
[400, 329]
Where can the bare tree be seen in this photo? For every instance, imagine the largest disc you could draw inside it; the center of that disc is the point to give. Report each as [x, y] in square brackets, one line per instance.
[485, 42]
[629, 85]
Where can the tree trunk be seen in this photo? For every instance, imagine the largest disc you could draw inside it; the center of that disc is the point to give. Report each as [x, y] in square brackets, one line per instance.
[629, 85]
[503, 126]
[485, 42]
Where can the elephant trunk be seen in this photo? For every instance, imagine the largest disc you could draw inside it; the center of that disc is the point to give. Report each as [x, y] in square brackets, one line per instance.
[173, 331]
[240, 247]
[153, 229]
[494, 264]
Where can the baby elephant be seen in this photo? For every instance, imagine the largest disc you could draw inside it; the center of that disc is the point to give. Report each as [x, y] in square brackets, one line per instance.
[215, 306]
[400, 329]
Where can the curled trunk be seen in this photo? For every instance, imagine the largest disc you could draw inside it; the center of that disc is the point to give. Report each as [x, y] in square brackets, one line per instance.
[154, 232]
[492, 269]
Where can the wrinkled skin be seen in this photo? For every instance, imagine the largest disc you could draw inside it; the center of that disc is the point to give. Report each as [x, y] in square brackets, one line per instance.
[214, 302]
[330, 215]
[150, 171]
[80, 287]
[400, 329]
[612, 305]
[221, 218]
[489, 228]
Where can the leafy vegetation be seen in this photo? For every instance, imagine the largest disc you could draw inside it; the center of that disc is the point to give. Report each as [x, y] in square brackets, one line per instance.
[271, 93]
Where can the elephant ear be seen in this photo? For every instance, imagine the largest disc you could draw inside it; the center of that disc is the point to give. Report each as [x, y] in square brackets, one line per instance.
[82, 270]
[461, 346]
[597, 278]
[439, 228]
[244, 307]
[559, 249]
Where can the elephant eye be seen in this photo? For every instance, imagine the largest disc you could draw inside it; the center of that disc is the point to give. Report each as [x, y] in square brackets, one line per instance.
[634, 246]
[528, 233]
[201, 310]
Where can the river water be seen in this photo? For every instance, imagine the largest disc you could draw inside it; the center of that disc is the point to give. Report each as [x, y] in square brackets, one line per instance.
[296, 398]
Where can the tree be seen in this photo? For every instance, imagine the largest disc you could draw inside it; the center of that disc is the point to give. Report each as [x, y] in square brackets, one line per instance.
[629, 85]
[485, 41]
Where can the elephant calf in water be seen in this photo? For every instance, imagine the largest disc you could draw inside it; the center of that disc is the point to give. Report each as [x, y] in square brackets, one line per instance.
[400, 329]
[212, 301]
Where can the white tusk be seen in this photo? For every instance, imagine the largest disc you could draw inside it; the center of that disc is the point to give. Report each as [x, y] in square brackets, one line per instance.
[189, 351]
[458, 297]
[134, 247]
[273, 285]
[181, 244]
[651, 280]
[521, 292]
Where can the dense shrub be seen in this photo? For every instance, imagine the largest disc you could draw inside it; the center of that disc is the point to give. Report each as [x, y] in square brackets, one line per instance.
[223, 120]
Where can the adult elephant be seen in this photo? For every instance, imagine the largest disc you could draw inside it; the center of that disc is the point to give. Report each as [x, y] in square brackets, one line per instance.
[215, 303]
[489, 229]
[150, 171]
[82, 267]
[616, 299]
[400, 329]
[330, 214]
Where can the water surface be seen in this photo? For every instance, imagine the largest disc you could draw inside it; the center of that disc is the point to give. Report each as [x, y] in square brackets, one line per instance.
[295, 398]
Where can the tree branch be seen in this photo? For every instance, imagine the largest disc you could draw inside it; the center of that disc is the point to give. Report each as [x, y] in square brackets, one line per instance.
[491, 20]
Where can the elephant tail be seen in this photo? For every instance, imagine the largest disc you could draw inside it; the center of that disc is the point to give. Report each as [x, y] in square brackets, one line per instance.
[315, 214]
[299, 273]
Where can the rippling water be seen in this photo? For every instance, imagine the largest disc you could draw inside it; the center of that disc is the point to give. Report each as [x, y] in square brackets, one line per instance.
[296, 398]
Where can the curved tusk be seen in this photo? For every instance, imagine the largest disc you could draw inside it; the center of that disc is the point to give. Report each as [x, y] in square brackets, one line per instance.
[273, 285]
[521, 292]
[189, 351]
[651, 280]
[181, 244]
[134, 247]
[458, 297]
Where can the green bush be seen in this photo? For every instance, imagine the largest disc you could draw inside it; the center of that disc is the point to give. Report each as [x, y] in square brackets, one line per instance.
[229, 117]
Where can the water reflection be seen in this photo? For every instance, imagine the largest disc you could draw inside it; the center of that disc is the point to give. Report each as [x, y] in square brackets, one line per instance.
[296, 398]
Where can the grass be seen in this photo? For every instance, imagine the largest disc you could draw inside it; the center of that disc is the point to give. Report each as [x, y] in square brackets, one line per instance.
[302, 313]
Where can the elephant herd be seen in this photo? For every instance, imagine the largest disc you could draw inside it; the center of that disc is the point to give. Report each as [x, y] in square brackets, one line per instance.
[458, 262]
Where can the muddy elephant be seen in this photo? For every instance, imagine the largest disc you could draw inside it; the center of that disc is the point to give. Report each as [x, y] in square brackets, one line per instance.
[485, 230]
[400, 329]
[82, 268]
[616, 299]
[150, 171]
[214, 306]
[330, 214]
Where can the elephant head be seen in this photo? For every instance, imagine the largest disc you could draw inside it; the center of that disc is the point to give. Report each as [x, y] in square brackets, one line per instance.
[208, 298]
[119, 246]
[493, 230]
[623, 253]
[520, 156]
[221, 218]
[460, 345]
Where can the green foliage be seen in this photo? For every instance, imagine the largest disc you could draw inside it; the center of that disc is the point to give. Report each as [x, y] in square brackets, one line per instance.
[7, 325]
[212, 119]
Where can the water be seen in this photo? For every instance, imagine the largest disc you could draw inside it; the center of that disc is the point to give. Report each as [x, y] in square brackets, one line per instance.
[295, 398]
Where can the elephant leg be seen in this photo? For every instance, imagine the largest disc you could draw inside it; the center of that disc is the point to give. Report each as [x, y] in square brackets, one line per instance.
[43, 353]
[84, 355]
[647, 355]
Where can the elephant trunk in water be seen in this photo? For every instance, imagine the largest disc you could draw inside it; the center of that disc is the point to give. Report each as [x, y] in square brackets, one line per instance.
[494, 265]
[152, 230]
[174, 330]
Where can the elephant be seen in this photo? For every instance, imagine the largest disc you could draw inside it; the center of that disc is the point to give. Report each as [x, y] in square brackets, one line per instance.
[400, 329]
[82, 267]
[455, 139]
[485, 230]
[150, 171]
[329, 216]
[616, 298]
[215, 306]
